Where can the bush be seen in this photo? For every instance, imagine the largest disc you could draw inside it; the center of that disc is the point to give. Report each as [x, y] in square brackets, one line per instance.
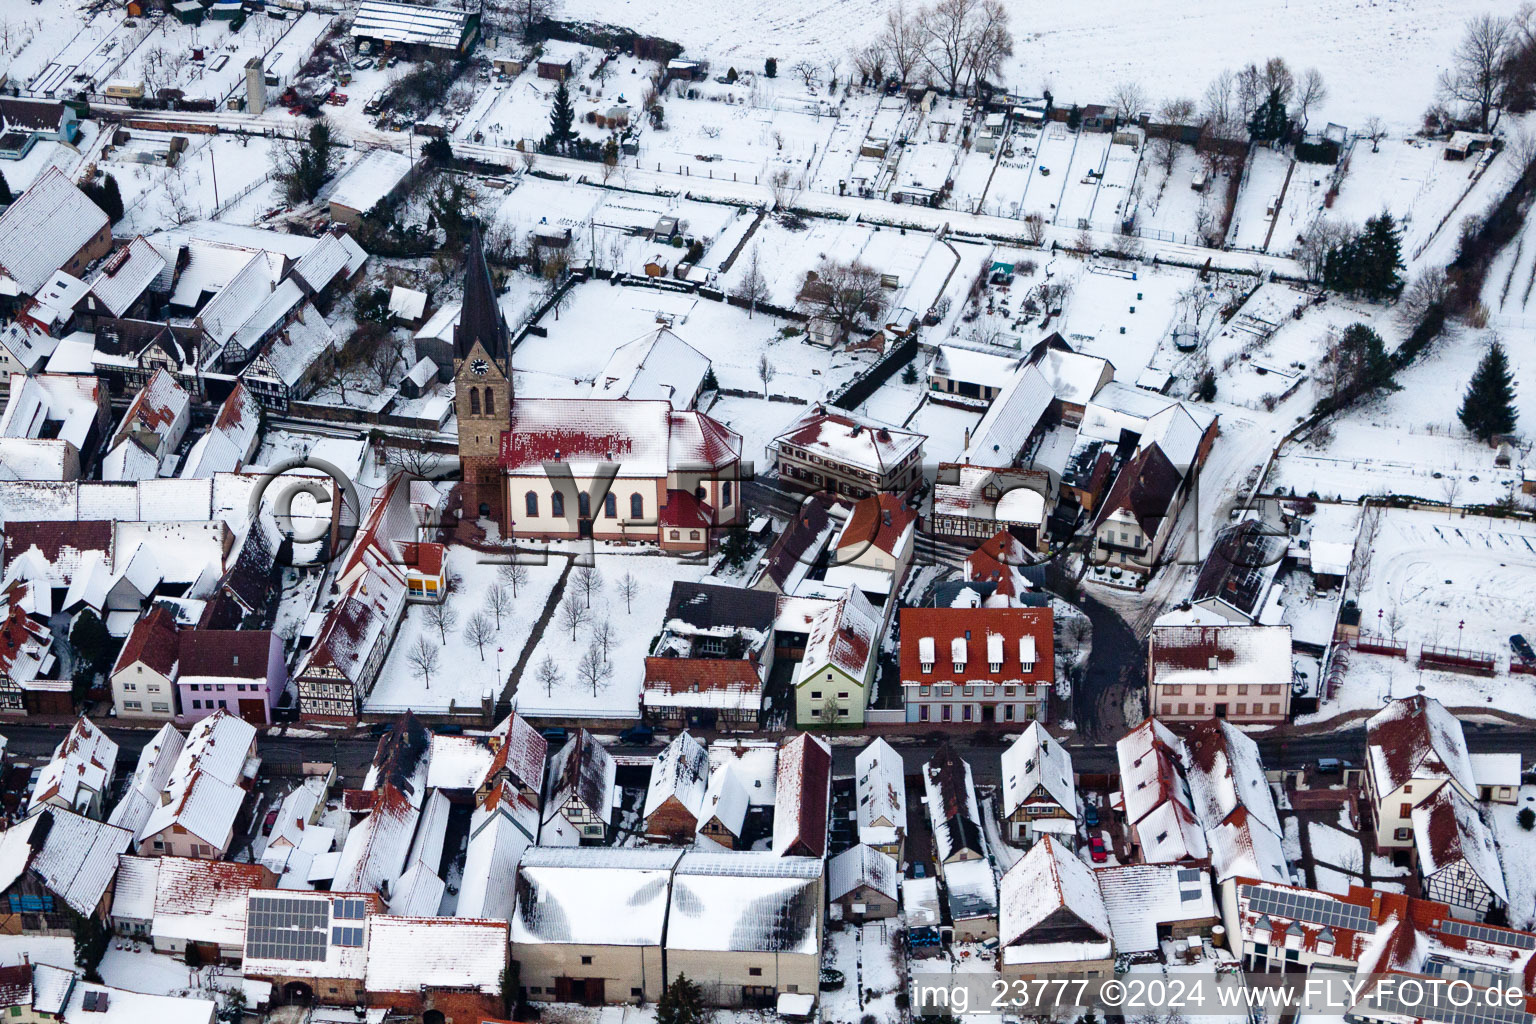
[1325, 152]
[771, 67]
[1526, 818]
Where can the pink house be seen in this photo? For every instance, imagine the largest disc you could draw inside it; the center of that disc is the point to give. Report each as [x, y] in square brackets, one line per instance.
[236, 670]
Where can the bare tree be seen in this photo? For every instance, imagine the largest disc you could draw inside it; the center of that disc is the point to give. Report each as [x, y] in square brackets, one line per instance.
[1034, 228]
[478, 632]
[946, 28]
[1173, 113]
[588, 581]
[604, 637]
[629, 589]
[1311, 93]
[753, 287]
[593, 669]
[548, 675]
[847, 292]
[572, 615]
[1450, 486]
[1219, 107]
[409, 451]
[1276, 80]
[1430, 288]
[809, 73]
[513, 575]
[869, 62]
[424, 658]
[1128, 100]
[834, 65]
[902, 41]
[988, 43]
[441, 618]
[527, 15]
[1476, 76]
[782, 186]
[766, 371]
[498, 602]
[1321, 238]
[1375, 130]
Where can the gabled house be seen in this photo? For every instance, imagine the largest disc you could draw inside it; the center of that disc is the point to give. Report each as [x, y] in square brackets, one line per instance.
[726, 803]
[1039, 792]
[1413, 747]
[237, 670]
[230, 441]
[841, 454]
[674, 800]
[127, 285]
[447, 967]
[502, 829]
[999, 563]
[201, 904]
[518, 752]
[144, 674]
[51, 226]
[208, 786]
[1237, 672]
[57, 866]
[833, 679]
[970, 893]
[1154, 797]
[953, 813]
[881, 791]
[874, 549]
[977, 501]
[802, 799]
[1237, 579]
[1232, 799]
[792, 554]
[53, 420]
[79, 775]
[864, 882]
[1455, 856]
[151, 776]
[711, 660]
[327, 960]
[1137, 515]
[149, 432]
[977, 664]
[581, 789]
[1052, 918]
[26, 654]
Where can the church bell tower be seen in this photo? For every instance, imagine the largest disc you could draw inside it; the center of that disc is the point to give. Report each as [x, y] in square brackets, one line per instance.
[482, 375]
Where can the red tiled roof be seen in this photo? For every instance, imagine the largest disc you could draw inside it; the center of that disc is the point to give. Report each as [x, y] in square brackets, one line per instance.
[1144, 487]
[16, 628]
[52, 537]
[521, 754]
[236, 653]
[707, 673]
[997, 560]
[880, 520]
[423, 556]
[802, 791]
[948, 624]
[684, 510]
[154, 640]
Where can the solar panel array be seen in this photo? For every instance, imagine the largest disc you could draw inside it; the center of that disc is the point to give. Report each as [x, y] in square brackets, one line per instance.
[346, 936]
[281, 928]
[1302, 906]
[1438, 1005]
[1472, 930]
[349, 910]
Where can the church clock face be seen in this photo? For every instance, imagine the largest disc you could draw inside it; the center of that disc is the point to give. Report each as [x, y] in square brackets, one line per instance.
[479, 367]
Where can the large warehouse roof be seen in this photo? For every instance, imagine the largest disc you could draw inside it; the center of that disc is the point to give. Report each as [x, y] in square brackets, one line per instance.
[395, 22]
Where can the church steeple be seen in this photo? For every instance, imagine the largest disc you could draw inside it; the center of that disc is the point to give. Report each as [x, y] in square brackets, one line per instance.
[480, 318]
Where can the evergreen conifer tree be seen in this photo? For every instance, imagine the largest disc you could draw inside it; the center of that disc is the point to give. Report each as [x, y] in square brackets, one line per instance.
[561, 118]
[680, 1003]
[5, 192]
[1489, 407]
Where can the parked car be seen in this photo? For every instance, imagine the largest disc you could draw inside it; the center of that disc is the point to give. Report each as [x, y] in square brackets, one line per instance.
[918, 871]
[268, 822]
[449, 730]
[1097, 850]
[381, 729]
[637, 735]
[1090, 814]
[1521, 646]
[556, 735]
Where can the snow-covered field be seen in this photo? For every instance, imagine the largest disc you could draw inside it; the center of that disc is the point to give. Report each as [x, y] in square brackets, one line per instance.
[465, 674]
[633, 624]
[1378, 58]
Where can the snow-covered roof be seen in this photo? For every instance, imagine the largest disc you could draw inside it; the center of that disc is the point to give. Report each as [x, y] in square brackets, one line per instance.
[315, 910]
[726, 800]
[958, 363]
[1234, 653]
[458, 762]
[409, 954]
[1140, 897]
[582, 770]
[1037, 761]
[155, 408]
[228, 443]
[1416, 738]
[126, 275]
[410, 24]
[658, 364]
[418, 893]
[43, 229]
[1047, 879]
[681, 772]
[1496, 769]
[83, 760]
[1012, 417]
[920, 902]
[204, 901]
[133, 894]
[844, 636]
[1074, 378]
[882, 793]
[953, 812]
[802, 797]
[568, 895]
[488, 884]
[1448, 830]
[862, 866]
[637, 436]
[1240, 846]
[970, 888]
[520, 753]
[75, 856]
[1225, 772]
[853, 440]
[366, 183]
[754, 762]
[295, 813]
[407, 303]
[746, 903]
[157, 762]
[30, 344]
[63, 406]
[123, 1006]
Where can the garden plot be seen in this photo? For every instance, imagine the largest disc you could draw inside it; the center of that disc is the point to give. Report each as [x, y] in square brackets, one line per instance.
[974, 173]
[462, 677]
[833, 167]
[599, 317]
[19, 174]
[633, 626]
[931, 149]
[1517, 852]
[1409, 442]
[1263, 180]
[1168, 206]
[1080, 189]
[1304, 204]
[1053, 159]
[867, 956]
[1263, 351]
[162, 58]
[42, 49]
[740, 134]
[1099, 307]
[1114, 198]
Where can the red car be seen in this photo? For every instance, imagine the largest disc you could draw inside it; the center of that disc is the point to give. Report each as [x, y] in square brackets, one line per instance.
[1097, 851]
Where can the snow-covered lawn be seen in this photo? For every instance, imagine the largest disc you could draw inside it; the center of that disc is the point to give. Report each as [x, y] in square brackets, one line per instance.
[1262, 180]
[634, 626]
[1517, 852]
[463, 675]
[866, 956]
[138, 968]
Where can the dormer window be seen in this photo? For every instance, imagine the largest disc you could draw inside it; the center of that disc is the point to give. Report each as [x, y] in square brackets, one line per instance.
[957, 653]
[995, 652]
[1027, 653]
[925, 654]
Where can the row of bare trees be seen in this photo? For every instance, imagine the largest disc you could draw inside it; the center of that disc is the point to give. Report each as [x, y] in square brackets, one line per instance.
[1493, 68]
[954, 45]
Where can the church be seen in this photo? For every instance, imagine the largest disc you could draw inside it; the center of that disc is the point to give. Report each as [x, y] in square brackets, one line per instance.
[563, 468]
